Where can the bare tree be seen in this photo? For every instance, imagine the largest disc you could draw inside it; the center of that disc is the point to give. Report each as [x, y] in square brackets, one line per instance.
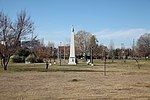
[93, 42]
[83, 42]
[43, 52]
[5, 39]
[93, 47]
[12, 33]
[98, 52]
[143, 45]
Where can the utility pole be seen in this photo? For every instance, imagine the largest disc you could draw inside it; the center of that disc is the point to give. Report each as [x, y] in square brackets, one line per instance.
[60, 53]
[133, 48]
[104, 54]
[123, 52]
[54, 55]
[64, 51]
[92, 56]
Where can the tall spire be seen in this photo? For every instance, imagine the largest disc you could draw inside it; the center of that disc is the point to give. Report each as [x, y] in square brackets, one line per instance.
[72, 29]
[72, 59]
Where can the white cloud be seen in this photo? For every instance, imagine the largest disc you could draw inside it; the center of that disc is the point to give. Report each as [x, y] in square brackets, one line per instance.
[104, 36]
[135, 33]
[120, 36]
[54, 36]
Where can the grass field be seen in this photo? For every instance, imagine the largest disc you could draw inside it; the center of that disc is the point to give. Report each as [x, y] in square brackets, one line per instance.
[123, 81]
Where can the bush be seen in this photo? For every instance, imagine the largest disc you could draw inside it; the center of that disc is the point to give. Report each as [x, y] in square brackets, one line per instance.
[17, 59]
[31, 59]
[23, 52]
[39, 60]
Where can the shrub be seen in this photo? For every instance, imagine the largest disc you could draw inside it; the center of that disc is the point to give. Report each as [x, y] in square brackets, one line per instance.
[31, 59]
[23, 52]
[39, 60]
[17, 59]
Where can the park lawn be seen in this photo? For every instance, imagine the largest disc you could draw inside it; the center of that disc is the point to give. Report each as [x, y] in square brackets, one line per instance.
[123, 80]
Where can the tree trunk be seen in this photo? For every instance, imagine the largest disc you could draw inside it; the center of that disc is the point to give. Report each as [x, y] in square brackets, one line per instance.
[5, 62]
[1, 63]
[5, 67]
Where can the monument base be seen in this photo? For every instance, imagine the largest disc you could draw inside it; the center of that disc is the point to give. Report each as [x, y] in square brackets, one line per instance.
[72, 61]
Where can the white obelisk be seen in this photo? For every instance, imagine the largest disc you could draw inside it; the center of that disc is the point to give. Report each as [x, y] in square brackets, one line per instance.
[72, 59]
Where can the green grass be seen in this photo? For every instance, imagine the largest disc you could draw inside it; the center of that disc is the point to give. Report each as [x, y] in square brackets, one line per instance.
[20, 67]
[40, 67]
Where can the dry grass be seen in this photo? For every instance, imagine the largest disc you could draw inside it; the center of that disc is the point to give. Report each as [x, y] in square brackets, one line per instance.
[124, 81]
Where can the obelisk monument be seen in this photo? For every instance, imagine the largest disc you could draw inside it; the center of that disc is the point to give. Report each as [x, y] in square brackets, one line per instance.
[72, 59]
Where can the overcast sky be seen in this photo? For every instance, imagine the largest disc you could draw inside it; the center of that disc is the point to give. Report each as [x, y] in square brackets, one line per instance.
[119, 21]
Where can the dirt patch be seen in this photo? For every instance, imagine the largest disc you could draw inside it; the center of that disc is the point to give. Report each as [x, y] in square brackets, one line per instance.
[124, 82]
[86, 86]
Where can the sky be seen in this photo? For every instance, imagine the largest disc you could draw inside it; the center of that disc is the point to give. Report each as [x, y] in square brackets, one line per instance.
[119, 21]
